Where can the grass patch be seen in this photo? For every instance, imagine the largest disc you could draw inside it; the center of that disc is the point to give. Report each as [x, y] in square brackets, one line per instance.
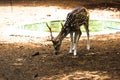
[94, 26]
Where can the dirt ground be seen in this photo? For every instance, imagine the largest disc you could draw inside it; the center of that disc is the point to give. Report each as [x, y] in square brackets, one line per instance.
[36, 61]
[32, 58]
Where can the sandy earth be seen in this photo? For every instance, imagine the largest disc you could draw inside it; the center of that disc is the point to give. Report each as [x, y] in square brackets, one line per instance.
[30, 57]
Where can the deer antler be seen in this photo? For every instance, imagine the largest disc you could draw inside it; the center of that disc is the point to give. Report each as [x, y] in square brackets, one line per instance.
[62, 25]
[50, 31]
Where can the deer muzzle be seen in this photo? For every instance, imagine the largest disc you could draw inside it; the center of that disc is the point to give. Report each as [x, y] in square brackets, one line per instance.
[56, 52]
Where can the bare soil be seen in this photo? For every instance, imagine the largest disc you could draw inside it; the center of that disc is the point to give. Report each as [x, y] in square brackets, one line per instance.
[36, 61]
[32, 58]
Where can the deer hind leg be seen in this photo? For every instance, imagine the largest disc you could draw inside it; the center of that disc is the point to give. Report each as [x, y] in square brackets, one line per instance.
[86, 25]
[76, 39]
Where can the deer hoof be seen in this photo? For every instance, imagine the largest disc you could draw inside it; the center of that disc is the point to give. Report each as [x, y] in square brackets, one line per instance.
[71, 51]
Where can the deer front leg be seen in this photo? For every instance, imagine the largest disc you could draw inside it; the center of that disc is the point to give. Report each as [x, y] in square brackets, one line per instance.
[71, 43]
[76, 39]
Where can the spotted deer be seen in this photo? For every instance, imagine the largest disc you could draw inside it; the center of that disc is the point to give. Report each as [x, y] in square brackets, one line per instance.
[79, 16]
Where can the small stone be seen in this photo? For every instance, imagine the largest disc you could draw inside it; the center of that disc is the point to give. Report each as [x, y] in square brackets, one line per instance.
[36, 54]
[36, 75]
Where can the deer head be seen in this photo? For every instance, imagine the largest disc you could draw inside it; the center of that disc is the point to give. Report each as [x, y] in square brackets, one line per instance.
[56, 41]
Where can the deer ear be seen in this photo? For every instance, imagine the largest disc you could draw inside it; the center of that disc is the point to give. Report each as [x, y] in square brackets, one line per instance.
[54, 42]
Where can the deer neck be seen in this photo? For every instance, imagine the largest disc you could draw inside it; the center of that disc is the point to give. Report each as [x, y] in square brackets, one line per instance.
[61, 36]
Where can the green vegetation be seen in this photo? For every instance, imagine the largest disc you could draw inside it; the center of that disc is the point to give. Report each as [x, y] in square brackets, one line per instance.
[94, 26]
